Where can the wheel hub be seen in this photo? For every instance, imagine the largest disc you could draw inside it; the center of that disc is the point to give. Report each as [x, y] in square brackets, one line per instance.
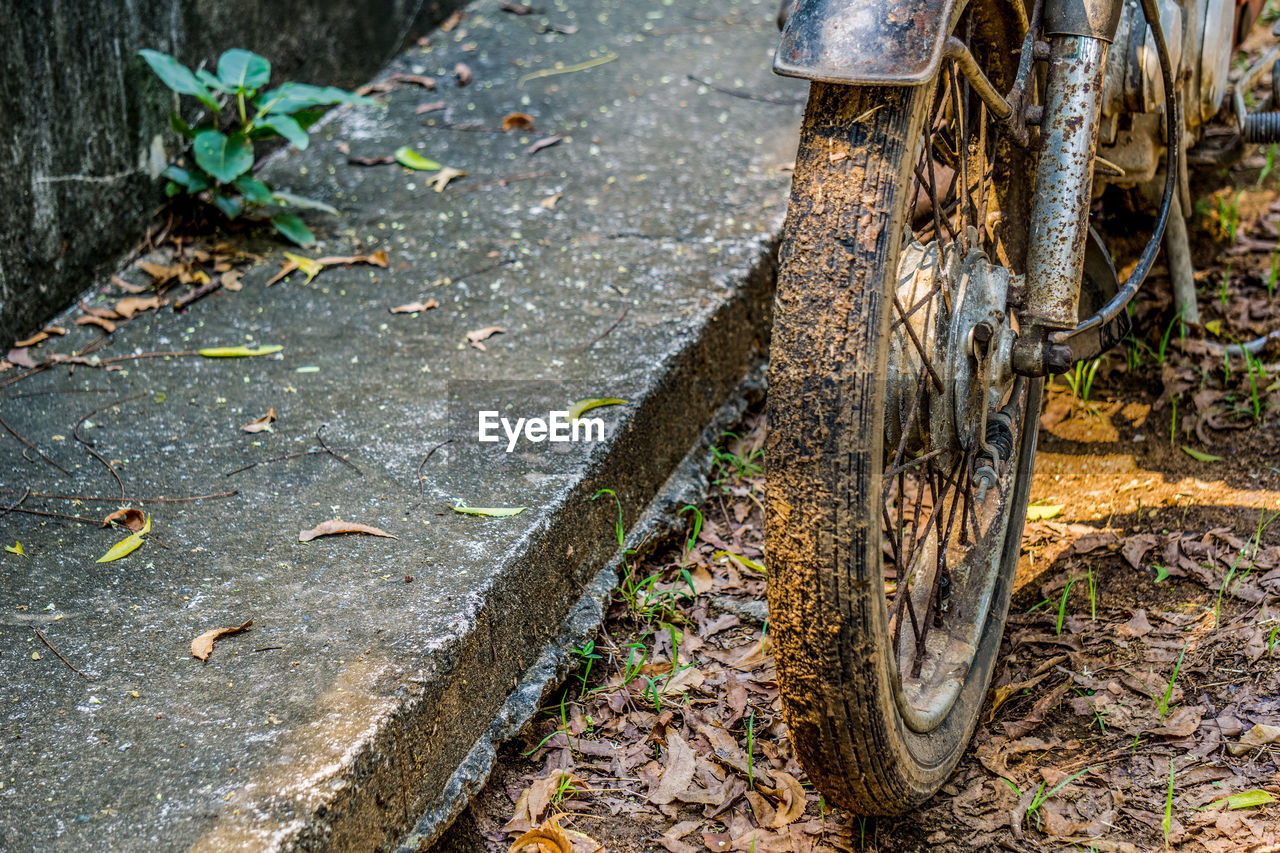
[949, 351]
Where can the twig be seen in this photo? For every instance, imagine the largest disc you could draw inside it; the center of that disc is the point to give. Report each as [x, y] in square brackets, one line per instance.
[16, 435]
[88, 445]
[748, 96]
[8, 510]
[324, 448]
[330, 451]
[80, 518]
[61, 391]
[589, 344]
[197, 294]
[502, 182]
[45, 640]
[422, 489]
[229, 494]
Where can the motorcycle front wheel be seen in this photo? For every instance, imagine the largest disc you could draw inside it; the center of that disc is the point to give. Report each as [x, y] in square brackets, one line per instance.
[891, 555]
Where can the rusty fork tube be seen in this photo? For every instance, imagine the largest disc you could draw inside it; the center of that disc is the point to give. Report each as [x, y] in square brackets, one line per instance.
[1064, 181]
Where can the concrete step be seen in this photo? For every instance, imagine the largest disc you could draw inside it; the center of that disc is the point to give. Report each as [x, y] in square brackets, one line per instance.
[358, 710]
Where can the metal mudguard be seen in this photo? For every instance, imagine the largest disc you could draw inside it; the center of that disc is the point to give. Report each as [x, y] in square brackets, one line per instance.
[894, 42]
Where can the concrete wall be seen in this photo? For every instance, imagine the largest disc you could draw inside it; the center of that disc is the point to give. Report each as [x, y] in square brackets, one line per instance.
[82, 119]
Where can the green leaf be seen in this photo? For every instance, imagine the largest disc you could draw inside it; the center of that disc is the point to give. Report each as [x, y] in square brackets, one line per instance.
[286, 199]
[225, 157]
[411, 159]
[291, 97]
[180, 126]
[240, 352]
[171, 189]
[213, 82]
[1243, 800]
[128, 545]
[193, 181]
[1043, 511]
[243, 70]
[306, 118]
[254, 191]
[1200, 455]
[1161, 573]
[490, 512]
[748, 563]
[288, 128]
[229, 205]
[16, 548]
[178, 77]
[582, 406]
[293, 229]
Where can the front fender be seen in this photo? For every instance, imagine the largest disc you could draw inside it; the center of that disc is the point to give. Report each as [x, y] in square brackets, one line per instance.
[894, 42]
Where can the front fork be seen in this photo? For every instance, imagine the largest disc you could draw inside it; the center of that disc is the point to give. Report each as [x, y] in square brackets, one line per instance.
[1079, 32]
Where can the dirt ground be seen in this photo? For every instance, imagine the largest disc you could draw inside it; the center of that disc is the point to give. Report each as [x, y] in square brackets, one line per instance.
[1137, 702]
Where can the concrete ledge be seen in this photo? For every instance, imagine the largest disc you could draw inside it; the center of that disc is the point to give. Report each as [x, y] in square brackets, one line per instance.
[339, 720]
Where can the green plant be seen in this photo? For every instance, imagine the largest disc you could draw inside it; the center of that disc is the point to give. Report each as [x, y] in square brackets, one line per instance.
[587, 655]
[564, 788]
[1168, 690]
[1268, 167]
[1093, 596]
[1080, 379]
[751, 749]
[737, 464]
[693, 535]
[633, 665]
[1226, 277]
[1038, 800]
[1229, 215]
[1275, 271]
[1173, 420]
[1062, 606]
[241, 112]
[1256, 372]
[1271, 640]
[1167, 823]
[1252, 545]
[1164, 339]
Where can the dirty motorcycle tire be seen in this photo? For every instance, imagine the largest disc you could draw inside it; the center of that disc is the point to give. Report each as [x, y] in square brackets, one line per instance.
[825, 458]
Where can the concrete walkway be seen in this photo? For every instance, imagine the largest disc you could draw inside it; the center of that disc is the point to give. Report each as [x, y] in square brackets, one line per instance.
[631, 259]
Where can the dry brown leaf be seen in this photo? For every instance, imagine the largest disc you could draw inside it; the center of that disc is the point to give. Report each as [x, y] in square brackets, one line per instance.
[1183, 722]
[791, 799]
[262, 423]
[230, 280]
[475, 338]
[371, 161]
[102, 322]
[451, 23]
[550, 202]
[56, 330]
[678, 772]
[517, 8]
[135, 289]
[202, 646]
[1137, 626]
[536, 798]
[98, 311]
[416, 79]
[131, 305]
[548, 838]
[377, 259]
[33, 340]
[517, 121]
[132, 518]
[337, 526]
[20, 357]
[545, 142]
[462, 73]
[429, 107]
[1259, 735]
[161, 273]
[415, 307]
[444, 176]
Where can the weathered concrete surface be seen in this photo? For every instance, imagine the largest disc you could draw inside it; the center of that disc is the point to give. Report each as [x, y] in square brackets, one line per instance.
[342, 717]
[86, 127]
